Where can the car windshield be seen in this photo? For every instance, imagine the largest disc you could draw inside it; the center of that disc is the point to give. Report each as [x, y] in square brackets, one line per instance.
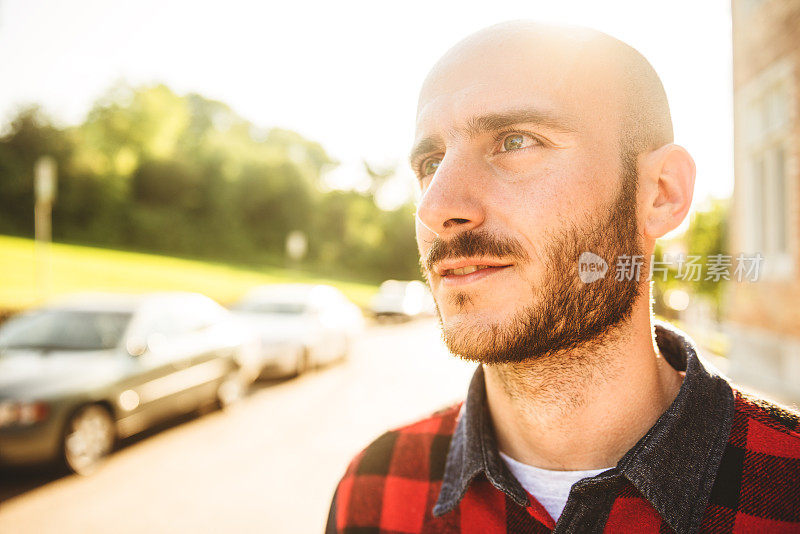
[282, 308]
[391, 288]
[64, 330]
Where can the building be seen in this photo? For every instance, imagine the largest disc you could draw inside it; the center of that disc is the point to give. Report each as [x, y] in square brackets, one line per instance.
[764, 315]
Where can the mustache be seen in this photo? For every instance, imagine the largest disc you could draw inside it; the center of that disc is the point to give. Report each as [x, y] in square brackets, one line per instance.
[472, 243]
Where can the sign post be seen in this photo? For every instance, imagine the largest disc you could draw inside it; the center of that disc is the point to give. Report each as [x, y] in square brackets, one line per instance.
[44, 186]
[296, 247]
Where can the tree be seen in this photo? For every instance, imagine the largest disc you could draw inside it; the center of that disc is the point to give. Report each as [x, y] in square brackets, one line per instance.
[30, 135]
[183, 174]
[708, 236]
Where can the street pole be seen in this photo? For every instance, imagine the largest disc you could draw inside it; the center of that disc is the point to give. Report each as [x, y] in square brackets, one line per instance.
[296, 247]
[44, 185]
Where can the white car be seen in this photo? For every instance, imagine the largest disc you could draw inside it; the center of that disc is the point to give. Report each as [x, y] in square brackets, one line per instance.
[300, 325]
[407, 299]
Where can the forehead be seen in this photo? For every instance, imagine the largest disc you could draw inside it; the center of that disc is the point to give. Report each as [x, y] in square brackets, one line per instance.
[558, 79]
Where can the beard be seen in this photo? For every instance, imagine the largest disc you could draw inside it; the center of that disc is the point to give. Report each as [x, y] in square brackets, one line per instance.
[565, 312]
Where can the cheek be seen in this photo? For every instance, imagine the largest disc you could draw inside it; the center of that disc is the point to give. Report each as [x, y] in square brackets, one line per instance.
[540, 209]
[560, 192]
[533, 206]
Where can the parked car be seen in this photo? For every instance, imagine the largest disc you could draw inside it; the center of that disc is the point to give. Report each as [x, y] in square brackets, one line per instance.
[402, 299]
[77, 375]
[300, 325]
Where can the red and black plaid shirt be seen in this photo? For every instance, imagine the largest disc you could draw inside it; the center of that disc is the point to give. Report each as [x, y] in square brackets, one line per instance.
[715, 461]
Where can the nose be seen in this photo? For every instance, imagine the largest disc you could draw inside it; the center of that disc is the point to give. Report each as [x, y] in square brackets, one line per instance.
[452, 202]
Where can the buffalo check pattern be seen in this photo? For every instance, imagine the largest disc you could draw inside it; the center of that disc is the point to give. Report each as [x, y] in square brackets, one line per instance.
[740, 473]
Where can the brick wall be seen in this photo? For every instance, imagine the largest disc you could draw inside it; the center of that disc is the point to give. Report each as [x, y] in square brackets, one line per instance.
[766, 32]
[763, 32]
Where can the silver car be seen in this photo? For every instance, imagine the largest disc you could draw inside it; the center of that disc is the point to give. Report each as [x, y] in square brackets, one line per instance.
[300, 325]
[77, 375]
[402, 299]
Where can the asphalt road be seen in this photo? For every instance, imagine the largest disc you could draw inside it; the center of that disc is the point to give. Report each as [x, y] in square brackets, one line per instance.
[270, 464]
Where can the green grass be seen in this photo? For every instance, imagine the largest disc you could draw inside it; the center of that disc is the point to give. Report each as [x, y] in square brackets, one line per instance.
[78, 268]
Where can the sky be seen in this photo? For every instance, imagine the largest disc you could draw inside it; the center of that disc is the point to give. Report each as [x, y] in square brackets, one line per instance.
[345, 74]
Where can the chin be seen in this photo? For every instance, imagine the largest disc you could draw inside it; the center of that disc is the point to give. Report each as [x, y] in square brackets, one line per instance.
[472, 335]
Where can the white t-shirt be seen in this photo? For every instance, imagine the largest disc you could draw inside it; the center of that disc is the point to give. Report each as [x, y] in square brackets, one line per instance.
[551, 488]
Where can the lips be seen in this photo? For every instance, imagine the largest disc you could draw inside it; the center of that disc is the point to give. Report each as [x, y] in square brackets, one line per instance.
[466, 266]
[468, 270]
[465, 270]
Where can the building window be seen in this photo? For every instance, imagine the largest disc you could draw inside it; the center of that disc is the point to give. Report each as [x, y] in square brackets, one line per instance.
[768, 201]
[764, 141]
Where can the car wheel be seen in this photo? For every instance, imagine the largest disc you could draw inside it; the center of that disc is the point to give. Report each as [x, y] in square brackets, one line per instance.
[303, 361]
[88, 438]
[230, 390]
[347, 346]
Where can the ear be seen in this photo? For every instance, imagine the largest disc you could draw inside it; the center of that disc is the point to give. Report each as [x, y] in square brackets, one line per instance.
[667, 184]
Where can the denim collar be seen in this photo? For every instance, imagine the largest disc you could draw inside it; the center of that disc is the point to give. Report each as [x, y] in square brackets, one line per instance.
[673, 465]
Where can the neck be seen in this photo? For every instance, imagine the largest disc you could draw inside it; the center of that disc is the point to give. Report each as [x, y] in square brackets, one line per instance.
[586, 408]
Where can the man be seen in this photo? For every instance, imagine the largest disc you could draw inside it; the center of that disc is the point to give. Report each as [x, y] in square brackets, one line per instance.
[546, 160]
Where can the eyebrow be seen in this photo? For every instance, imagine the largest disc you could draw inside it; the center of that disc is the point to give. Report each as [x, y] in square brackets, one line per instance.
[497, 121]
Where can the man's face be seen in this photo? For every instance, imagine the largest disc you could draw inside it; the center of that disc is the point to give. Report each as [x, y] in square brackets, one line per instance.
[518, 158]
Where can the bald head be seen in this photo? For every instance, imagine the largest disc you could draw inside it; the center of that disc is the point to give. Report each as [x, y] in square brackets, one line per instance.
[534, 146]
[599, 73]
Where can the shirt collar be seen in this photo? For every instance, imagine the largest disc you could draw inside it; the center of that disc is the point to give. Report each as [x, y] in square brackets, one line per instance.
[673, 465]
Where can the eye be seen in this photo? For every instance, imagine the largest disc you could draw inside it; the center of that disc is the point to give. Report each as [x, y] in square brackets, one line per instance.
[517, 141]
[429, 166]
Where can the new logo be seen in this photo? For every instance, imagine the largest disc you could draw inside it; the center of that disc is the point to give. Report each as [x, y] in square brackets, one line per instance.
[591, 267]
